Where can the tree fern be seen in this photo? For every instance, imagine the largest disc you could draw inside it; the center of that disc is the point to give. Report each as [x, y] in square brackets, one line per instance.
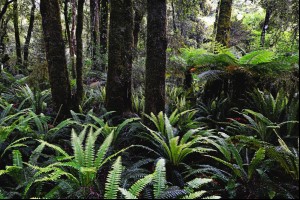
[257, 57]
[113, 180]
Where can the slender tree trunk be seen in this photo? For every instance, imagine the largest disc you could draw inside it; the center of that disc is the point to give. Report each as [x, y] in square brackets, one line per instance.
[120, 56]
[5, 6]
[56, 58]
[156, 56]
[266, 26]
[138, 17]
[67, 21]
[103, 31]
[29, 33]
[17, 33]
[73, 38]
[94, 12]
[224, 23]
[174, 17]
[79, 62]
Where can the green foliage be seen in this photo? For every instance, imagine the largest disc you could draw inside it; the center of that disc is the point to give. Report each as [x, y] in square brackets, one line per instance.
[113, 180]
[259, 125]
[172, 147]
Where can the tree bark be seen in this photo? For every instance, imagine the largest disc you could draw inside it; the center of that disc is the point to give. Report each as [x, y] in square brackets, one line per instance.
[224, 23]
[17, 33]
[4, 9]
[266, 26]
[120, 57]
[79, 62]
[138, 17]
[95, 37]
[156, 56]
[56, 58]
[103, 31]
[29, 33]
[174, 17]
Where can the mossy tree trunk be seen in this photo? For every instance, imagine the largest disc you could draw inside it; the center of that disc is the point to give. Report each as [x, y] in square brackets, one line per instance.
[138, 17]
[103, 31]
[55, 54]
[29, 33]
[120, 56]
[224, 22]
[156, 56]
[95, 35]
[79, 62]
[17, 33]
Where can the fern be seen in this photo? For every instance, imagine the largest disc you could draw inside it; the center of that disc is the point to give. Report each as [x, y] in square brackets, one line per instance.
[113, 180]
[159, 178]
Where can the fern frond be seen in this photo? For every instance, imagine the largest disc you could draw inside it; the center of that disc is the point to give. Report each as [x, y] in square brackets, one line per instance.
[136, 188]
[103, 150]
[194, 195]
[159, 178]
[77, 148]
[113, 180]
[127, 194]
[198, 182]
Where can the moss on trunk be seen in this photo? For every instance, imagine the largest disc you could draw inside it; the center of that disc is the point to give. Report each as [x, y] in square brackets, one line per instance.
[156, 56]
[118, 88]
[224, 22]
[55, 54]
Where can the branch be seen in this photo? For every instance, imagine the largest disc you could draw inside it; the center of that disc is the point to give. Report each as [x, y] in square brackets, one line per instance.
[4, 9]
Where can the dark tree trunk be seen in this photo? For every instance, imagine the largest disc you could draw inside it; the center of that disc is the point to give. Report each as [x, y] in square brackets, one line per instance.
[79, 62]
[266, 26]
[103, 31]
[29, 33]
[94, 15]
[138, 17]
[55, 53]
[156, 56]
[120, 57]
[174, 17]
[224, 23]
[4, 9]
[67, 21]
[17, 33]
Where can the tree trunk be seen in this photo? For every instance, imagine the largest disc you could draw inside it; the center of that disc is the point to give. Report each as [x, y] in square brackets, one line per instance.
[95, 39]
[70, 33]
[138, 17]
[103, 31]
[79, 62]
[120, 57]
[156, 56]
[29, 33]
[266, 26]
[174, 17]
[4, 8]
[56, 58]
[224, 23]
[17, 33]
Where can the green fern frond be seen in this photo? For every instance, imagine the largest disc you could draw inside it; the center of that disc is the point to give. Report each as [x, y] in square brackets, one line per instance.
[103, 150]
[17, 159]
[136, 188]
[159, 178]
[198, 182]
[127, 194]
[257, 57]
[194, 195]
[113, 180]
[77, 148]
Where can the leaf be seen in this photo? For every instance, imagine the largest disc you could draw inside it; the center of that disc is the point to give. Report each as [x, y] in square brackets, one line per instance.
[113, 180]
